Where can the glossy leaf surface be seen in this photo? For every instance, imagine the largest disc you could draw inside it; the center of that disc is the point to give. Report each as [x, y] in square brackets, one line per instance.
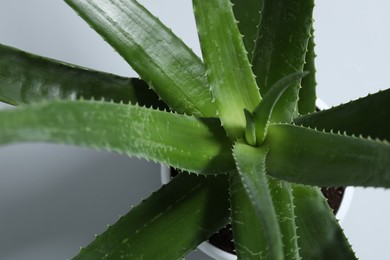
[284, 206]
[28, 78]
[368, 116]
[307, 156]
[167, 225]
[320, 235]
[248, 14]
[197, 145]
[281, 49]
[264, 110]
[248, 233]
[154, 52]
[250, 163]
[307, 92]
[231, 79]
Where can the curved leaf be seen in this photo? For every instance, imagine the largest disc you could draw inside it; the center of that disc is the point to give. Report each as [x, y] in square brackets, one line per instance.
[284, 206]
[248, 233]
[264, 110]
[368, 116]
[250, 163]
[231, 79]
[28, 78]
[307, 92]
[281, 49]
[196, 145]
[302, 155]
[248, 14]
[271, 198]
[320, 235]
[158, 55]
[167, 225]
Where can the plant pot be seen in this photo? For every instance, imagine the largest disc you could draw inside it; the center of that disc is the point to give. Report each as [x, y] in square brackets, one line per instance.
[220, 254]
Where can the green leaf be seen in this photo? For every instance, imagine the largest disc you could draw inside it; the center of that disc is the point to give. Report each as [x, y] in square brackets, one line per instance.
[263, 190]
[320, 235]
[368, 116]
[281, 49]
[248, 232]
[302, 155]
[196, 145]
[250, 129]
[159, 56]
[284, 206]
[250, 163]
[307, 93]
[263, 111]
[248, 14]
[28, 78]
[231, 79]
[167, 225]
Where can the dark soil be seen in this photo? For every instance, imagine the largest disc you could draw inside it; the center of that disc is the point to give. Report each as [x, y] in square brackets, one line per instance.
[223, 239]
[334, 196]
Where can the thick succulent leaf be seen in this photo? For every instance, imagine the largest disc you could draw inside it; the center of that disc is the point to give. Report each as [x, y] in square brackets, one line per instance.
[248, 14]
[248, 233]
[320, 235]
[302, 155]
[368, 116]
[197, 145]
[231, 79]
[250, 163]
[281, 49]
[159, 56]
[167, 225]
[263, 111]
[250, 128]
[27, 78]
[284, 206]
[307, 93]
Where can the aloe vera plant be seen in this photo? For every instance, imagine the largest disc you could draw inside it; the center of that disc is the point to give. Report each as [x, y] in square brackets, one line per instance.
[240, 124]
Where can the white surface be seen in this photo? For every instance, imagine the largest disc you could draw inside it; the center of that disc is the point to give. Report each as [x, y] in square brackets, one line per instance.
[48, 210]
[353, 39]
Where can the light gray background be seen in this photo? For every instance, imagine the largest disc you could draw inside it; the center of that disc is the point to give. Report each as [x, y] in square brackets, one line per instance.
[53, 198]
